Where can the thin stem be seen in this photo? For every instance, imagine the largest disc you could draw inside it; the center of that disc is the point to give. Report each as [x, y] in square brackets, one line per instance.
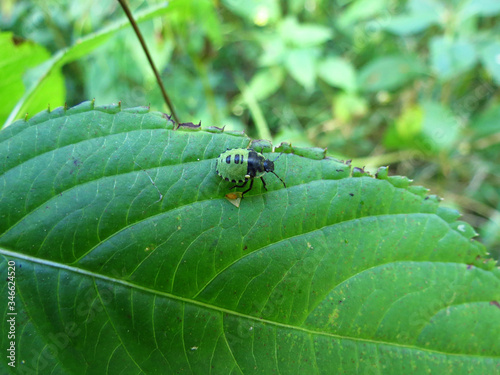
[127, 11]
[255, 110]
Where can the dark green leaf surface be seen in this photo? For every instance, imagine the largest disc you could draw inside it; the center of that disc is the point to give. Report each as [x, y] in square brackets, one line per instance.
[334, 274]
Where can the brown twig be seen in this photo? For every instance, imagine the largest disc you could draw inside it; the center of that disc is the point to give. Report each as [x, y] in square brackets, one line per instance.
[127, 11]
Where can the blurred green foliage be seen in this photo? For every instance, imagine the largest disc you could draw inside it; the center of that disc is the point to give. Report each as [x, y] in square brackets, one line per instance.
[411, 84]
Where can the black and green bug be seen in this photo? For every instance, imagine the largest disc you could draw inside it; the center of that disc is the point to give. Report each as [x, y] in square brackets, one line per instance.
[239, 165]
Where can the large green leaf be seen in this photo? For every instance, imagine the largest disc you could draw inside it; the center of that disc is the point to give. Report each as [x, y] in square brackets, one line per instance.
[334, 274]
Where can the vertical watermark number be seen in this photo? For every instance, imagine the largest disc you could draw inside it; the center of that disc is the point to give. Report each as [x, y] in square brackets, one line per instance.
[11, 313]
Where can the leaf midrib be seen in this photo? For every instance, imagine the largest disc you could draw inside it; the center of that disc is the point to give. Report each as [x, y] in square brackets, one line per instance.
[221, 310]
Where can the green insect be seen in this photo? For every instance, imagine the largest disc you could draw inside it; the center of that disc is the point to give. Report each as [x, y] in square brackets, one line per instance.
[239, 165]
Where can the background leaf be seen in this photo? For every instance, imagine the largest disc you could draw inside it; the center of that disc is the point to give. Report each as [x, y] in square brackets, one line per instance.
[258, 11]
[451, 57]
[333, 273]
[303, 35]
[266, 82]
[389, 73]
[430, 128]
[18, 56]
[490, 57]
[410, 24]
[480, 7]
[44, 84]
[301, 65]
[338, 72]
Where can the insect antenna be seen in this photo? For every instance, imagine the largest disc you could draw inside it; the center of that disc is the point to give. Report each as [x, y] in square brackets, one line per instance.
[278, 156]
[283, 182]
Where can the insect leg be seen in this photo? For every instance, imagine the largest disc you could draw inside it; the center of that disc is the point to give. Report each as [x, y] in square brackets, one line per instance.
[263, 183]
[243, 184]
[247, 190]
[283, 182]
